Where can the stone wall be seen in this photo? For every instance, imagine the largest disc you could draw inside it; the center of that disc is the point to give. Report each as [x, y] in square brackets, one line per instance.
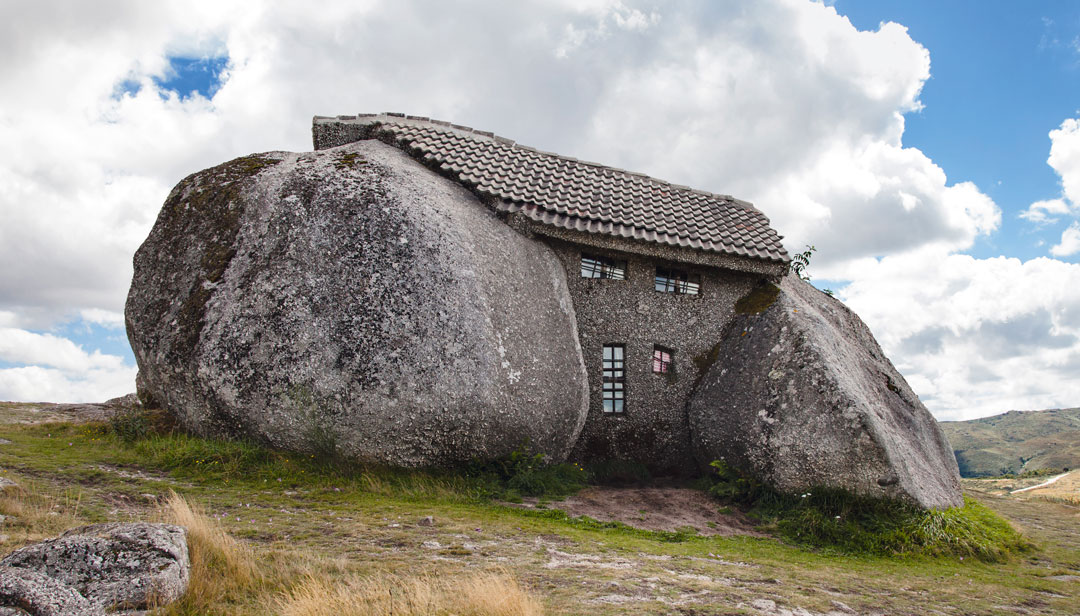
[653, 429]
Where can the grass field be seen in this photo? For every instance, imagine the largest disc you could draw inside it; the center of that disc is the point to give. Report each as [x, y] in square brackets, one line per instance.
[299, 532]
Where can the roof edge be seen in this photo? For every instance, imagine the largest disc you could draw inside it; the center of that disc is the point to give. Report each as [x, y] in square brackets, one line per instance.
[773, 270]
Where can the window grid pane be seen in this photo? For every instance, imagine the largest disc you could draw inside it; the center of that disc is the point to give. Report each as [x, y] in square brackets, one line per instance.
[614, 378]
[601, 267]
[676, 281]
[661, 359]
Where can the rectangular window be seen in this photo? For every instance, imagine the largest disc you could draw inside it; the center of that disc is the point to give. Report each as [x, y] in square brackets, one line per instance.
[614, 378]
[677, 281]
[661, 360]
[602, 267]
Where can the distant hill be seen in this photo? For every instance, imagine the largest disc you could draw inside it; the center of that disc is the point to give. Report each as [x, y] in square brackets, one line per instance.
[1016, 442]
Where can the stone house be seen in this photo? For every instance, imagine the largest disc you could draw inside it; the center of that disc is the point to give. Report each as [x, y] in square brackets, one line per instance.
[654, 269]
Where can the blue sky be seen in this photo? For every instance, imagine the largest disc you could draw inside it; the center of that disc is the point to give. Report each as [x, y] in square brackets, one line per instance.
[931, 151]
[1003, 75]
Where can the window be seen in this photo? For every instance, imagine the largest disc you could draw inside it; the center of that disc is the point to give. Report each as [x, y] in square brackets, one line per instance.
[677, 281]
[602, 267]
[614, 378]
[661, 360]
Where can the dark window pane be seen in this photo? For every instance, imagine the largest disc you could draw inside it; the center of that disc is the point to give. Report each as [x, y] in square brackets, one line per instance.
[677, 281]
[614, 378]
[602, 267]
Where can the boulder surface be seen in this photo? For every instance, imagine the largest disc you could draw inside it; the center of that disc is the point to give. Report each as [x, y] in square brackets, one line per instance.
[103, 567]
[801, 395]
[27, 592]
[352, 301]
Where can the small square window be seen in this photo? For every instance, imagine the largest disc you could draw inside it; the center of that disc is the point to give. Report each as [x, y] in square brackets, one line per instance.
[661, 360]
[677, 281]
[614, 378]
[602, 267]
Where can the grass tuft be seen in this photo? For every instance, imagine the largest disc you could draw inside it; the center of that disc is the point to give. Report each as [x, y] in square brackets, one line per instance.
[483, 594]
[222, 570]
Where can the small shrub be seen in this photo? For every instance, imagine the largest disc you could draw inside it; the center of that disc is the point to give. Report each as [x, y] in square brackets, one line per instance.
[130, 424]
[527, 474]
[732, 486]
[800, 261]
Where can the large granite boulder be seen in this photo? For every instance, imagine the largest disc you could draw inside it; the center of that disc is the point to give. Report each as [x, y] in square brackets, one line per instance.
[800, 395]
[353, 301]
[98, 569]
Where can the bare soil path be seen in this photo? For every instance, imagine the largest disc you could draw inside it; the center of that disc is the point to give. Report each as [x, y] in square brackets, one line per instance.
[657, 508]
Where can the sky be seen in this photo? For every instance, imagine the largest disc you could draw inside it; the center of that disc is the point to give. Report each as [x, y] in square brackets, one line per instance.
[929, 151]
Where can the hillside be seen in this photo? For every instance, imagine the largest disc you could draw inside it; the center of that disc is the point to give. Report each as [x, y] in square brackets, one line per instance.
[1016, 441]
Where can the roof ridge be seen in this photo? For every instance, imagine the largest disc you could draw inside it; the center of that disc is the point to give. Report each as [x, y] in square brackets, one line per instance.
[396, 118]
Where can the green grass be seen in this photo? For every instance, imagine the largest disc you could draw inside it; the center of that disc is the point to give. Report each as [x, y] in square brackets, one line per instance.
[147, 440]
[838, 521]
[336, 520]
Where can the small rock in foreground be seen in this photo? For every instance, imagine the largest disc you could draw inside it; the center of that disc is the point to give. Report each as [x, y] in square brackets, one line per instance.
[90, 569]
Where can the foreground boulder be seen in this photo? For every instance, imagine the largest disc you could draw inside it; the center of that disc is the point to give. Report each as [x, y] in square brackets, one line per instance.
[351, 301]
[800, 395]
[97, 569]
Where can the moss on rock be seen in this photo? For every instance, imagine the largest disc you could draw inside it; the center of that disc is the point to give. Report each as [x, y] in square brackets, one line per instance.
[758, 300]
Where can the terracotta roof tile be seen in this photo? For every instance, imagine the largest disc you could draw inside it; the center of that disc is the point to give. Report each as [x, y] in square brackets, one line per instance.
[573, 194]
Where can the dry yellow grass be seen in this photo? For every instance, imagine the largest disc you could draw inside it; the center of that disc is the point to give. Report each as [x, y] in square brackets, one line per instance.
[483, 594]
[33, 513]
[1066, 489]
[222, 569]
[226, 573]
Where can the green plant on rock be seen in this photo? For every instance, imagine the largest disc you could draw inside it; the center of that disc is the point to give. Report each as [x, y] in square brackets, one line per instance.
[800, 261]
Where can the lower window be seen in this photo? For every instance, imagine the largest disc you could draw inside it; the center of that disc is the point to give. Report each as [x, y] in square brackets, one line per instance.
[614, 381]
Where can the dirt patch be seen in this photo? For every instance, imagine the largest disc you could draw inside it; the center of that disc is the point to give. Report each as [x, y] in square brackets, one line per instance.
[656, 508]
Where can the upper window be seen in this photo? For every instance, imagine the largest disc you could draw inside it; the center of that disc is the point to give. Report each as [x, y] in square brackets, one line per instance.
[661, 360]
[677, 281]
[614, 378]
[602, 267]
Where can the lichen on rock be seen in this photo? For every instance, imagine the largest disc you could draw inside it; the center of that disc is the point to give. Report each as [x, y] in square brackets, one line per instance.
[353, 301]
[98, 568]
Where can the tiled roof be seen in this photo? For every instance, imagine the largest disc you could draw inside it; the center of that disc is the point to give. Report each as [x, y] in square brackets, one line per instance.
[566, 192]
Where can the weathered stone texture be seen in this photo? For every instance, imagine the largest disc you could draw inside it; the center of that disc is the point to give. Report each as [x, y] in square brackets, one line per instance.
[653, 430]
[98, 568]
[353, 300]
[27, 592]
[800, 395]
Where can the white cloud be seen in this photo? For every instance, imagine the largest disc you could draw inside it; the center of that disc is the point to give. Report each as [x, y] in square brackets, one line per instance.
[105, 318]
[1045, 211]
[56, 369]
[1065, 160]
[23, 347]
[1070, 242]
[1065, 157]
[37, 383]
[975, 336]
